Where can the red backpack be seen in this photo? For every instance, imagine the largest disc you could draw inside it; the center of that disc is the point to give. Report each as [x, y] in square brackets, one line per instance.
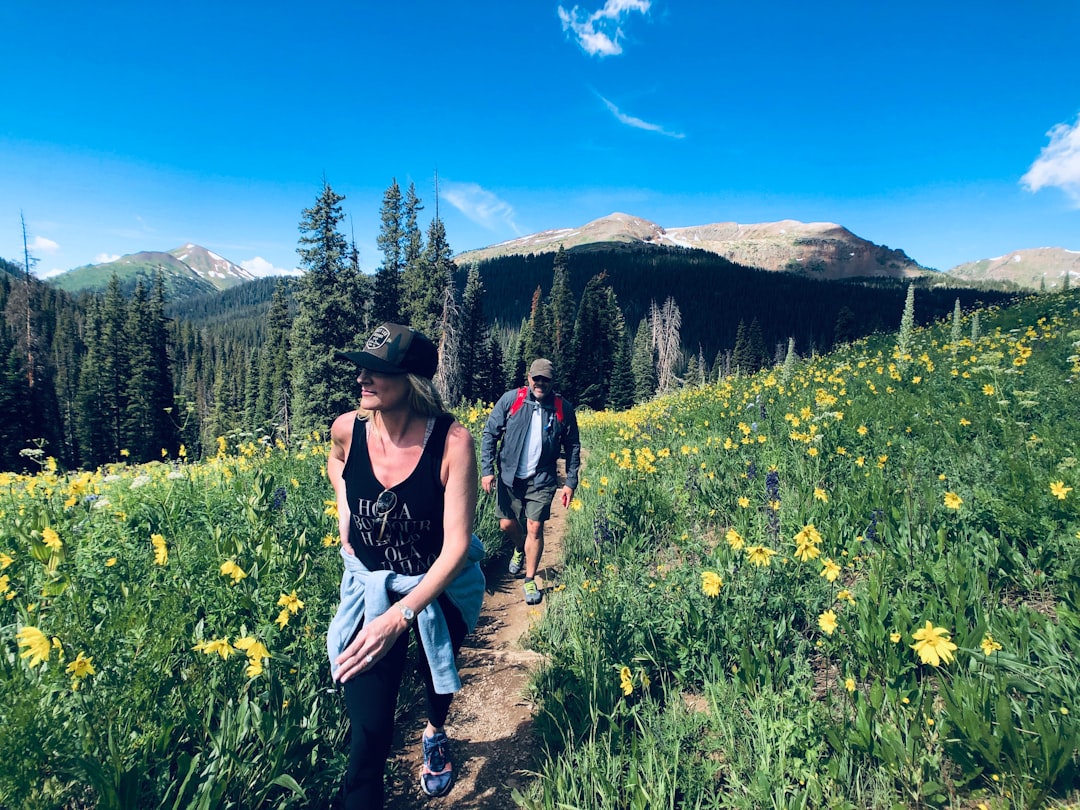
[524, 392]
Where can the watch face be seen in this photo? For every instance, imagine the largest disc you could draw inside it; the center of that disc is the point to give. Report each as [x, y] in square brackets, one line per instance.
[407, 612]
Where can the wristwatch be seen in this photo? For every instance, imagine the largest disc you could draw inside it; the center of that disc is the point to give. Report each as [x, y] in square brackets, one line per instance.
[408, 614]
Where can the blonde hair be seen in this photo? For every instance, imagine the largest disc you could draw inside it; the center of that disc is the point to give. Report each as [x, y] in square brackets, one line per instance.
[422, 397]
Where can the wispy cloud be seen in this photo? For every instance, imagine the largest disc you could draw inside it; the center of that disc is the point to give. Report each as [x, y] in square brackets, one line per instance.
[105, 258]
[481, 206]
[260, 268]
[1058, 165]
[637, 123]
[600, 33]
[42, 245]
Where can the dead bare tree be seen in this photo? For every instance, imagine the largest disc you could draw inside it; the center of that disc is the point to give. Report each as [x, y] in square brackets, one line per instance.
[665, 323]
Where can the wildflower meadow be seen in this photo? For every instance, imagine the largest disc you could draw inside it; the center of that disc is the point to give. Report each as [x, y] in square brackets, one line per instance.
[849, 581]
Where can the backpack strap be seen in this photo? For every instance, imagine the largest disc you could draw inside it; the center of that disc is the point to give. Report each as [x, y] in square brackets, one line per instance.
[520, 400]
[521, 394]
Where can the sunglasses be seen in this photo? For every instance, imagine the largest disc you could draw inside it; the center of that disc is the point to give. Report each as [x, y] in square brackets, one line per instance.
[541, 380]
[382, 507]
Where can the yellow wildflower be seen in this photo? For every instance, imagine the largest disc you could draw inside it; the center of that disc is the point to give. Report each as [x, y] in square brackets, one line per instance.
[230, 569]
[710, 583]
[735, 540]
[282, 618]
[81, 667]
[933, 645]
[760, 555]
[989, 645]
[952, 500]
[1059, 490]
[849, 684]
[744, 502]
[51, 539]
[161, 550]
[221, 646]
[830, 570]
[36, 643]
[290, 602]
[821, 495]
[625, 681]
[5, 560]
[827, 622]
[988, 390]
[894, 637]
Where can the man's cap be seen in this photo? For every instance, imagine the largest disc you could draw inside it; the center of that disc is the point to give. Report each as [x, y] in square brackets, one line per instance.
[396, 349]
[542, 368]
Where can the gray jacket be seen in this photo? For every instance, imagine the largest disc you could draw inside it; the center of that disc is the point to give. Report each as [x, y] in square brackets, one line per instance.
[559, 439]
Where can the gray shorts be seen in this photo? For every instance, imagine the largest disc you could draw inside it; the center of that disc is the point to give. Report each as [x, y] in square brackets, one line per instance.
[524, 500]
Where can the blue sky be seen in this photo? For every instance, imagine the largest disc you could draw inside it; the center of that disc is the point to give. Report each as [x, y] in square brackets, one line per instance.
[949, 130]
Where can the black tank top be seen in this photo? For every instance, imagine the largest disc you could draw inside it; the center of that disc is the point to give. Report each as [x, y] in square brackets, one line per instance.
[398, 529]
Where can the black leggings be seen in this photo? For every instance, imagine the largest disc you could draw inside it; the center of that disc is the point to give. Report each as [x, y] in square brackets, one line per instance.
[371, 701]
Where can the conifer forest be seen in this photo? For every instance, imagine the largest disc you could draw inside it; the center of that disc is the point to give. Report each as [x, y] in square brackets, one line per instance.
[94, 378]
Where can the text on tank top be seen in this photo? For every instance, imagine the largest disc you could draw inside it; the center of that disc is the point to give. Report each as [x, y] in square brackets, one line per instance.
[402, 531]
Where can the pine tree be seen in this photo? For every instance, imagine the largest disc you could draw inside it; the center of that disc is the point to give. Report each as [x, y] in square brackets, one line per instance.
[103, 382]
[148, 395]
[597, 332]
[561, 312]
[621, 392]
[642, 363]
[15, 431]
[844, 331]
[492, 380]
[474, 337]
[537, 334]
[740, 361]
[413, 239]
[425, 282]
[329, 296]
[755, 347]
[386, 296]
[276, 392]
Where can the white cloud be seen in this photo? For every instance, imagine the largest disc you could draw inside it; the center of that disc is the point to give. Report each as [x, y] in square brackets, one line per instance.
[43, 245]
[1058, 165]
[481, 206]
[637, 123]
[260, 268]
[105, 258]
[600, 33]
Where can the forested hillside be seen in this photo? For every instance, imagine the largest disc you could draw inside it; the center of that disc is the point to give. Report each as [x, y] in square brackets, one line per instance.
[716, 297]
[139, 374]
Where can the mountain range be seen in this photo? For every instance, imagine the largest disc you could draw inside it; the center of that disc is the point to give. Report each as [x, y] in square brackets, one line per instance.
[821, 250]
[187, 270]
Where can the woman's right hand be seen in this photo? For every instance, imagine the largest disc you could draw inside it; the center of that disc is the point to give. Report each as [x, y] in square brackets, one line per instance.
[372, 642]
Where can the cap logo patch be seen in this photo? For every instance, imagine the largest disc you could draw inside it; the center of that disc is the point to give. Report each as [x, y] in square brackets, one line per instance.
[377, 339]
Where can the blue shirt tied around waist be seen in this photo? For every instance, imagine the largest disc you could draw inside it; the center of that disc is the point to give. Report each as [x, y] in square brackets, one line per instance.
[365, 595]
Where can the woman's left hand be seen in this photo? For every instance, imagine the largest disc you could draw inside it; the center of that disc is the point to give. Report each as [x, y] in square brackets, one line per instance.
[371, 643]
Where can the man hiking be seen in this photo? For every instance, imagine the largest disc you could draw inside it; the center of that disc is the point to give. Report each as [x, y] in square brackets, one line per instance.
[536, 427]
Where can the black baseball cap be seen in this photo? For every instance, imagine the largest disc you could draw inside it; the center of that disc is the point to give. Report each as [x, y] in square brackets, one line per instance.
[396, 349]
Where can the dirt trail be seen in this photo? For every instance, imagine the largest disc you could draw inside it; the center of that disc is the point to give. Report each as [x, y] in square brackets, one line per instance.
[490, 724]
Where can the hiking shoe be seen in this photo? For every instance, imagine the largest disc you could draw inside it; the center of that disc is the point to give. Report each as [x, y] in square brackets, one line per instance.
[437, 775]
[532, 593]
[517, 563]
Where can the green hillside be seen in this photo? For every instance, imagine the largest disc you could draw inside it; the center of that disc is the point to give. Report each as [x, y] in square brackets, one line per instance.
[180, 280]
